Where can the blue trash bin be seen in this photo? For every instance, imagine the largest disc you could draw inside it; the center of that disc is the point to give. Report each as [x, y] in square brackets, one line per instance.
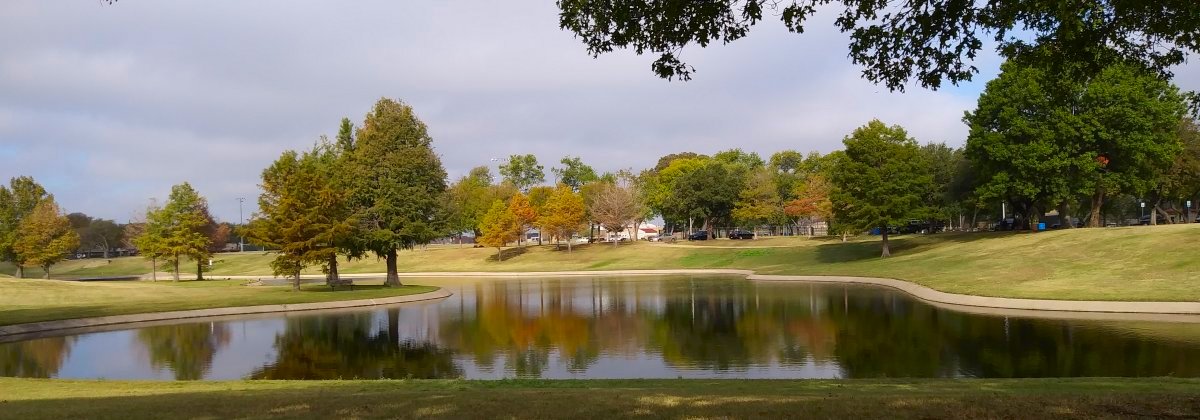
[1041, 227]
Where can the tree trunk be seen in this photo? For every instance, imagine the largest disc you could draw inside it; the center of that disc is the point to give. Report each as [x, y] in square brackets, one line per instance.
[1095, 219]
[393, 279]
[887, 250]
[1064, 216]
[394, 327]
[568, 244]
[46, 271]
[296, 281]
[154, 269]
[106, 248]
[499, 255]
[176, 272]
[331, 278]
[199, 269]
[20, 272]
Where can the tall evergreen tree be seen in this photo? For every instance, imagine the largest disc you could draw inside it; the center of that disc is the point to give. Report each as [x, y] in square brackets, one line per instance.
[398, 182]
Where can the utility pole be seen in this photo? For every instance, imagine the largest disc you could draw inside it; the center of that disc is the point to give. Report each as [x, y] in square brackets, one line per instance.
[242, 226]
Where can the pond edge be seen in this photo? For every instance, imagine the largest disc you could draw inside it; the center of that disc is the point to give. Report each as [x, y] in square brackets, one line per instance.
[8, 332]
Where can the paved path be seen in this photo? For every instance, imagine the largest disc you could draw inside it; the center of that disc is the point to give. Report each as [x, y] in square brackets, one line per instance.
[916, 290]
[20, 331]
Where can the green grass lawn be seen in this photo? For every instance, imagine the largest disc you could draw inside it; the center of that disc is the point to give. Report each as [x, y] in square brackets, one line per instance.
[41, 300]
[1146, 263]
[604, 399]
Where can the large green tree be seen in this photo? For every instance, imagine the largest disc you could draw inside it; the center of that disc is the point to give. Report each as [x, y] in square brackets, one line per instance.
[926, 41]
[880, 181]
[397, 183]
[574, 173]
[709, 192]
[468, 199]
[1039, 140]
[16, 201]
[177, 229]
[523, 171]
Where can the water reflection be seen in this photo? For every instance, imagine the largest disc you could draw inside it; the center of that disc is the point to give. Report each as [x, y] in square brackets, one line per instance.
[348, 347]
[34, 359]
[186, 350]
[620, 328]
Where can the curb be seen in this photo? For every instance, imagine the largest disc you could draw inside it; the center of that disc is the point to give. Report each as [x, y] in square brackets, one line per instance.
[916, 290]
[79, 323]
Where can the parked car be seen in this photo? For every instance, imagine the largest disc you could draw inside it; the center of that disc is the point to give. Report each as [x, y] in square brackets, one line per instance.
[741, 234]
[922, 226]
[699, 235]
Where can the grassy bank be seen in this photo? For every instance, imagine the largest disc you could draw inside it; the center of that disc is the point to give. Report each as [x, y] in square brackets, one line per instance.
[41, 300]
[1136, 263]
[1025, 398]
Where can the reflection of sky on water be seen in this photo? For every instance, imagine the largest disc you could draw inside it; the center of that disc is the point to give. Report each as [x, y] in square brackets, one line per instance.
[622, 328]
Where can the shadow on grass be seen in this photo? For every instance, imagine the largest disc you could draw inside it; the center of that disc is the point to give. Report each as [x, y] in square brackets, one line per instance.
[904, 244]
[508, 254]
[390, 400]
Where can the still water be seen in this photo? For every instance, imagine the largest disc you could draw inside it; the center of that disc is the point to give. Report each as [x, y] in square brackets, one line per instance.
[638, 327]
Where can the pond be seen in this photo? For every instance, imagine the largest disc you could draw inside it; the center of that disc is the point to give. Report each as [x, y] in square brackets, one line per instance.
[634, 327]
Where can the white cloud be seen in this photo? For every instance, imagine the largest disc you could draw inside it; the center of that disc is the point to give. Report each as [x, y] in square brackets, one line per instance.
[111, 105]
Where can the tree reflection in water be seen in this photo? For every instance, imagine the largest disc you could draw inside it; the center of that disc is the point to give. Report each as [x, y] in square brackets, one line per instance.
[39, 358]
[187, 350]
[650, 328]
[348, 346]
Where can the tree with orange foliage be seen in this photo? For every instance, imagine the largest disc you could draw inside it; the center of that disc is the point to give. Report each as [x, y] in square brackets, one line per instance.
[812, 200]
[526, 216]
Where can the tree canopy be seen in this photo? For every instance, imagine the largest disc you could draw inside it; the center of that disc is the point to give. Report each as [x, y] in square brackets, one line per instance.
[397, 183]
[523, 171]
[880, 181]
[574, 172]
[1038, 140]
[923, 41]
[177, 228]
[45, 236]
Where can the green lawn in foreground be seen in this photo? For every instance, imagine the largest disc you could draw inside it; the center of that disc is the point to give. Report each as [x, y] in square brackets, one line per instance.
[1147, 263]
[40, 300]
[604, 399]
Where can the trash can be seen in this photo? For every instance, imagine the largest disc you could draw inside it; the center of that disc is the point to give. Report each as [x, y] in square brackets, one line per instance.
[1041, 227]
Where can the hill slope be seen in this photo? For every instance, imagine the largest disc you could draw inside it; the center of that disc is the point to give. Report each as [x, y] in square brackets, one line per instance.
[1158, 263]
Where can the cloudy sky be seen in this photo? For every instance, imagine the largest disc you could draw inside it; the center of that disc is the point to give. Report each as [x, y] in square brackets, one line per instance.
[110, 105]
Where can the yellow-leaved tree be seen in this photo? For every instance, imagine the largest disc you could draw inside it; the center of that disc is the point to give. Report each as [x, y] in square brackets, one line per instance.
[524, 213]
[499, 227]
[563, 214]
[45, 236]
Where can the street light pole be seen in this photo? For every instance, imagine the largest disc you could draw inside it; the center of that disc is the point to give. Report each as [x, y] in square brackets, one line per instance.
[242, 222]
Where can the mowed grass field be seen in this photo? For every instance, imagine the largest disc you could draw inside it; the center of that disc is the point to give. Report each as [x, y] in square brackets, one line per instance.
[605, 399]
[41, 300]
